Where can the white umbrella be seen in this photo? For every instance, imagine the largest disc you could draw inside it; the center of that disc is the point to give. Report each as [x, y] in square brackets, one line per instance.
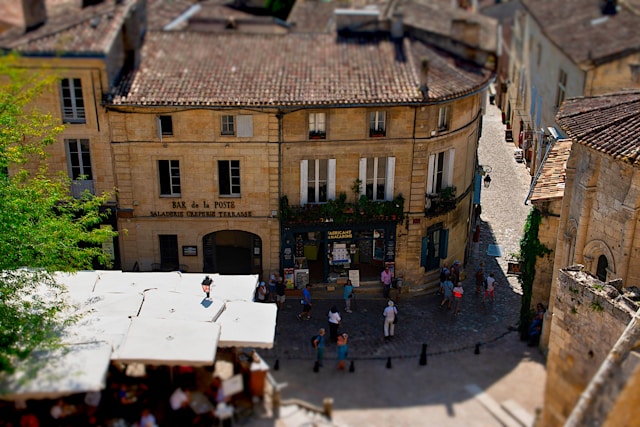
[161, 304]
[48, 375]
[247, 324]
[170, 342]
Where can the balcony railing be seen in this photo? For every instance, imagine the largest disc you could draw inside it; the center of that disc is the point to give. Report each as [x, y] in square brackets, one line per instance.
[441, 202]
[79, 186]
[340, 212]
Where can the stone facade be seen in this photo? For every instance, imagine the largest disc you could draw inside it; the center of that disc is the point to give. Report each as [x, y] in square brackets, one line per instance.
[157, 140]
[549, 66]
[589, 318]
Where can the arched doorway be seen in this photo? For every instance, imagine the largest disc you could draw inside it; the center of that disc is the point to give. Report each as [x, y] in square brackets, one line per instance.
[601, 269]
[232, 252]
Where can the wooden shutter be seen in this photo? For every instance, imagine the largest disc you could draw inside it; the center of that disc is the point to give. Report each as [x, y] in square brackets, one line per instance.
[431, 173]
[331, 179]
[362, 176]
[304, 181]
[450, 162]
[245, 126]
[389, 179]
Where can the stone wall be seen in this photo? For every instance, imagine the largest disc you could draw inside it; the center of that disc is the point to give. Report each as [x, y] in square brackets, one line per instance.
[588, 318]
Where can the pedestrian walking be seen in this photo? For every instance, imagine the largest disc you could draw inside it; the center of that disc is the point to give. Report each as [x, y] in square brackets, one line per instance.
[444, 272]
[318, 344]
[206, 286]
[491, 284]
[476, 241]
[306, 303]
[389, 314]
[458, 291]
[342, 350]
[273, 284]
[385, 278]
[480, 280]
[455, 272]
[348, 295]
[280, 292]
[448, 293]
[334, 323]
[263, 293]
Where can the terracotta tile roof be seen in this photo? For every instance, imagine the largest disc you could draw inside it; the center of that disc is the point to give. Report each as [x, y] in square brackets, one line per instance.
[436, 16]
[195, 68]
[550, 183]
[316, 16]
[72, 30]
[162, 12]
[583, 33]
[609, 124]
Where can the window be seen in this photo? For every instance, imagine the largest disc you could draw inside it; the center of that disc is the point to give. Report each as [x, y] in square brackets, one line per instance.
[169, 172]
[377, 125]
[440, 172]
[377, 174]
[317, 126]
[443, 119]
[79, 160]
[317, 180]
[166, 125]
[228, 127]
[72, 101]
[562, 88]
[229, 177]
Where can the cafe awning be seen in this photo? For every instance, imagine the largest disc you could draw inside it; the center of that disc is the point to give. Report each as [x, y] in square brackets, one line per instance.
[71, 369]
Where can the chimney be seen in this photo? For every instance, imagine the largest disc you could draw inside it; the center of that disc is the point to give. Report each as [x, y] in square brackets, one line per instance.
[397, 26]
[610, 7]
[28, 14]
[424, 77]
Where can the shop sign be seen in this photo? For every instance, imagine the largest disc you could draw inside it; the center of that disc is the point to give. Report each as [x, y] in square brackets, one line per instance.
[204, 209]
[339, 234]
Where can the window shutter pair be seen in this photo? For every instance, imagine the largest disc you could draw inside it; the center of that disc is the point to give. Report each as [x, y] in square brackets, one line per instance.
[388, 179]
[304, 180]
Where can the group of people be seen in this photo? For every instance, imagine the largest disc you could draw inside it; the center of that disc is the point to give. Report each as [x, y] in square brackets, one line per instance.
[451, 287]
[275, 292]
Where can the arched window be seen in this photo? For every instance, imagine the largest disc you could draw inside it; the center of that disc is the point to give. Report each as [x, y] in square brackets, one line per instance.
[601, 271]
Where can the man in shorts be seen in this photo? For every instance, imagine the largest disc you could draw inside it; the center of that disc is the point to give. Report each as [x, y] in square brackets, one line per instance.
[306, 303]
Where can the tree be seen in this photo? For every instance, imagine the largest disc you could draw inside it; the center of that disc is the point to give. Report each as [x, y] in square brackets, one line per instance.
[42, 228]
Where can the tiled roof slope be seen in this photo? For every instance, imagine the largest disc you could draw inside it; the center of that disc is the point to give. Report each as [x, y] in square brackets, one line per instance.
[436, 16]
[313, 16]
[570, 25]
[550, 183]
[71, 30]
[195, 68]
[162, 12]
[609, 124]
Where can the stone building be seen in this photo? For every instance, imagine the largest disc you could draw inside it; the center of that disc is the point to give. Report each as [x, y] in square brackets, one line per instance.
[593, 366]
[566, 49]
[252, 151]
[546, 196]
[595, 229]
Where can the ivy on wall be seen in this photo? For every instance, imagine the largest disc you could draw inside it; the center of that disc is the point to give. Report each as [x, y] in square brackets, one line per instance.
[530, 250]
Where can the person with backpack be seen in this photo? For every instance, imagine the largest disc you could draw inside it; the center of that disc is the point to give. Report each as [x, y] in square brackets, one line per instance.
[318, 343]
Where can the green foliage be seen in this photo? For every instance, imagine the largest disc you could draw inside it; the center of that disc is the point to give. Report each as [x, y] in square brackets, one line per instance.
[42, 228]
[596, 306]
[530, 250]
[279, 8]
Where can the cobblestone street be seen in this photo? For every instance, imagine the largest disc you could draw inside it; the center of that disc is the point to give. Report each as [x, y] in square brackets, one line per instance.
[421, 321]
